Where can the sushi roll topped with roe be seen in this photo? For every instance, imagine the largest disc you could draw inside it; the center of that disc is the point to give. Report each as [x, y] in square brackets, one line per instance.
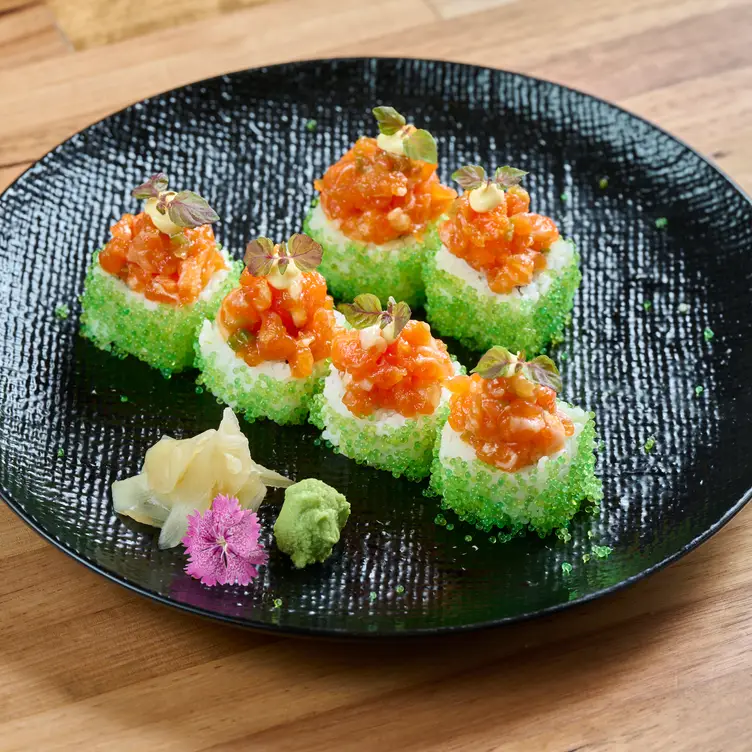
[503, 273]
[384, 399]
[269, 345]
[377, 211]
[511, 454]
[160, 274]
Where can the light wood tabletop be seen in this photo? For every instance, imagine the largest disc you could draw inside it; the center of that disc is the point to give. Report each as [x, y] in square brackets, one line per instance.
[664, 665]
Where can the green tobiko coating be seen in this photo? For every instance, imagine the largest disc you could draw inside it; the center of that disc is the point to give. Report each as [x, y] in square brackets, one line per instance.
[310, 521]
[455, 309]
[352, 268]
[406, 450]
[259, 395]
[486, 497]
[162, 335]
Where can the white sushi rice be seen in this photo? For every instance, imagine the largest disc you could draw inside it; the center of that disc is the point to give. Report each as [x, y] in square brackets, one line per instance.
[558, 257]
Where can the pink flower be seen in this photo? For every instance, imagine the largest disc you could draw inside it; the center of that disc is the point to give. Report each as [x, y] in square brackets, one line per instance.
[222, 544]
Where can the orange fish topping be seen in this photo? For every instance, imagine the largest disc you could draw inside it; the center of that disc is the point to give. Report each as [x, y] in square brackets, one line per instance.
[511, 422]
[263, 323]
[405, 375]
[505, 243]
[377, 196]
[163, 269]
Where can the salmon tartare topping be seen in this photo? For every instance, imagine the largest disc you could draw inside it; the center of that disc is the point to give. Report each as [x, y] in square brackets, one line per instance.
[510, 419]
[167, 252]
[377, 195]
[280, 312]
[162, 268]
[393, 364]
[506, 242]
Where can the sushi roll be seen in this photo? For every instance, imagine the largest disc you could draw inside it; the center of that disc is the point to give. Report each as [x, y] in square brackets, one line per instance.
[377, 212]
[161, 274]
[511, 454]
[384, 400]
[267, 351]
[502, 274]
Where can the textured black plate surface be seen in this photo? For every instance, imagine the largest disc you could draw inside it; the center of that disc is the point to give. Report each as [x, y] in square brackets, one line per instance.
[241, 141]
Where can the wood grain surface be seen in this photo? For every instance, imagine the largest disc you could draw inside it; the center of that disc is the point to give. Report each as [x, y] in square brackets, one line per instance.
[665, 665]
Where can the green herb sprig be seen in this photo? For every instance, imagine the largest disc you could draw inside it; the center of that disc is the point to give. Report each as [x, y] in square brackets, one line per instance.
[418, 143]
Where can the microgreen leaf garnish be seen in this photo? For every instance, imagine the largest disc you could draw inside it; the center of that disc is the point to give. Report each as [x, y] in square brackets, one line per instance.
[389, 120]
[188, 209]
[262, 254]
[417, 143]
[185, 209]
[366, 311]
[421, 145]
[396, 314]
[507, 176]
[544, 371]
[304, 251]
[498, 361]
[470, 177]
[155, 185]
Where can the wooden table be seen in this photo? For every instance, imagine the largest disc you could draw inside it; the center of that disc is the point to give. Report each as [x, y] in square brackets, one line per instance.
[665, 665]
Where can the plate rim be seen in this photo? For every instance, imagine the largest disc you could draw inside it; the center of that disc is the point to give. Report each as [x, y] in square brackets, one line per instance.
[343, 633]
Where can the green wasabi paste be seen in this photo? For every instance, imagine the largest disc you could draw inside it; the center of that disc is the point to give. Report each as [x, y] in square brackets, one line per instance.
[310, 521]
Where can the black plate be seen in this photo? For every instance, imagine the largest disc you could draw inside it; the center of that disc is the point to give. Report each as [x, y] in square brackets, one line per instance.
[241, 141]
